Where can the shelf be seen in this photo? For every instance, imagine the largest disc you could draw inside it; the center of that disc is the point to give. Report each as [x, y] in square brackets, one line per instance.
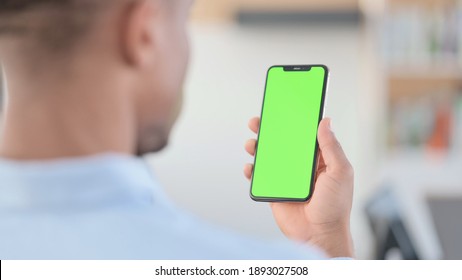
[424, 71]
[215, 10]
[428, 83]
[421, 47]
[422, 3]
[226, 10]
[298, 5]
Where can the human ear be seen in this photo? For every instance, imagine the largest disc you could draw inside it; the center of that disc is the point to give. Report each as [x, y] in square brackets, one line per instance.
[139, 36]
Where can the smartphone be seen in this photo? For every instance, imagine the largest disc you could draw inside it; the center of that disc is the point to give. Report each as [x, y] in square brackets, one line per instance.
[287, 148]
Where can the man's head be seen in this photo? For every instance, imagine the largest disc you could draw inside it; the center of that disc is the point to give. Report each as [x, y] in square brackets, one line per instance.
[141, 45]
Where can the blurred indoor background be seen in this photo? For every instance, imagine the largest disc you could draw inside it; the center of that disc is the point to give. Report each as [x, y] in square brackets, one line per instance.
[395, 98]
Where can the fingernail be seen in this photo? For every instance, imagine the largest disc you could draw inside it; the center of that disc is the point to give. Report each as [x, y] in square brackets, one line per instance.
[329, 124]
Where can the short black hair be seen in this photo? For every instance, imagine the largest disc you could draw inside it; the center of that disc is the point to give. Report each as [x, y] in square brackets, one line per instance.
[18, 5]
[54, 24]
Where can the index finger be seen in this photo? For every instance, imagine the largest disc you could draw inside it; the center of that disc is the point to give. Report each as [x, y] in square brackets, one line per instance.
[254, 124]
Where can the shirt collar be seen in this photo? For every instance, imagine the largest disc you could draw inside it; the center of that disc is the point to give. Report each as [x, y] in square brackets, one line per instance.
[78, 183]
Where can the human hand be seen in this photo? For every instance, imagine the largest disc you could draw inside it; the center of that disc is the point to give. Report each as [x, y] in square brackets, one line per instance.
[324, 220]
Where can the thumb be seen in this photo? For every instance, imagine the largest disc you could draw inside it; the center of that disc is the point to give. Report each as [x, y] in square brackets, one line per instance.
[331, 150]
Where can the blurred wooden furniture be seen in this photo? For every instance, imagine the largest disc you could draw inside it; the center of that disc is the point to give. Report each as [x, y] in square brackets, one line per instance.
[226, 10]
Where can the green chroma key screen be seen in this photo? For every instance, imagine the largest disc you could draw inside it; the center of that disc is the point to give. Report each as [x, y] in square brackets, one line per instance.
[287, 146]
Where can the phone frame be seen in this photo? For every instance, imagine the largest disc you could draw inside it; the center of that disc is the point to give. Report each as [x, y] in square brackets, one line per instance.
[303, 67]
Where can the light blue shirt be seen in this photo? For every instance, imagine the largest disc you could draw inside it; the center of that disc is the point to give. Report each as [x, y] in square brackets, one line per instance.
[110, 207]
